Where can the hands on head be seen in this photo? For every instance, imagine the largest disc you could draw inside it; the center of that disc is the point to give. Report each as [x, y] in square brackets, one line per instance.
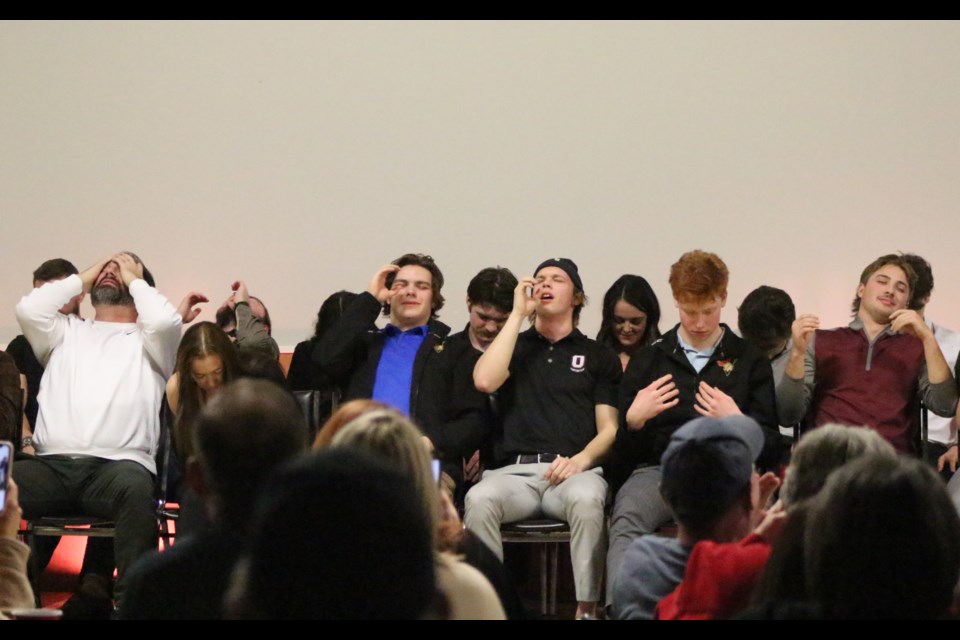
[378, 283]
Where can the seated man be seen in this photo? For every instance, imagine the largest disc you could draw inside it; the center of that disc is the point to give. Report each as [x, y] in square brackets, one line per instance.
[873, 372]
[714, 493]
[394, 365]
[242, 435]
[467, 421]
[558, 391]
[700, 367]
[246, 320]
[765, 318]
[941, 447]
[100, 397]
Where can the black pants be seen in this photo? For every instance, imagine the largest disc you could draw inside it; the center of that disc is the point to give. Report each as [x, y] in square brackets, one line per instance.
[934, 451]
[121, 490]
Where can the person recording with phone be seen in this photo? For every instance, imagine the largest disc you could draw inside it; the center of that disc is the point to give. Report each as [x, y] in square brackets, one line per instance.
[15, 590]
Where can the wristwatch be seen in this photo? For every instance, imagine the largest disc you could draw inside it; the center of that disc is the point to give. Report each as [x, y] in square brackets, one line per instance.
[26, 442]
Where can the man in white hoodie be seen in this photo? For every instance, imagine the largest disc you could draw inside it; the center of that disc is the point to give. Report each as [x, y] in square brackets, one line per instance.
[100, 396]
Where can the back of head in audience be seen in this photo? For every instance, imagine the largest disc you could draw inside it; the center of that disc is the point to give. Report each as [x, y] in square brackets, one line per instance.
[822, 451]
[708, 477]
[347, 413]
[240, 436]
[818, 454]
[339, 534]
[883, 541]
[765, 319]
[389, 435]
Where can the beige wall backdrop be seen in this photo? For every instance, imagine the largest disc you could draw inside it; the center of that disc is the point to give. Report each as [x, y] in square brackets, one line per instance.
[302, 156]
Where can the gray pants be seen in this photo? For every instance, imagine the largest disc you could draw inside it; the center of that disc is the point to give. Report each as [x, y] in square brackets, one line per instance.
[638, 509]
[518, 491]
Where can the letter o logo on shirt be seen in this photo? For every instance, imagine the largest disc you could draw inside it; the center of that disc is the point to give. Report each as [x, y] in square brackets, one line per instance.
[577, 363]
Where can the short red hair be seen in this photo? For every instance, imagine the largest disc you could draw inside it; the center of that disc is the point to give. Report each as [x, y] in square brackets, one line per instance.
[699, 275]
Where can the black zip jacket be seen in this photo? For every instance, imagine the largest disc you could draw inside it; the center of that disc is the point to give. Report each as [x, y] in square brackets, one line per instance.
[736, 368]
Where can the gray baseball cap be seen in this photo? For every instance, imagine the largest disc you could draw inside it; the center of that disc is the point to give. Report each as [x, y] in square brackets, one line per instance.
[732, 444]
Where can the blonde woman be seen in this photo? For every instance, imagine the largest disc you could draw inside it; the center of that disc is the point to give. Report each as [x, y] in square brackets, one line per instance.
[388, 434]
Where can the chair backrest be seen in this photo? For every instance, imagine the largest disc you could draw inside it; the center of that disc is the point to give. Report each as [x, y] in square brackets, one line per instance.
[317, 406]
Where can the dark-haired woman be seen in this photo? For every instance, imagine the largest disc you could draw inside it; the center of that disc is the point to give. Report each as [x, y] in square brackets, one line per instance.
[631, 316]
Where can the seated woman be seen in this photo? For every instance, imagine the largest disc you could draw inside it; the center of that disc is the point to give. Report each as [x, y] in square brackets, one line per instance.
[631, 316]
[389, 435]
[206, 361]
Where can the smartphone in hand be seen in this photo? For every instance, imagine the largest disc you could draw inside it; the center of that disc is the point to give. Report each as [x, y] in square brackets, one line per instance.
[6, 462]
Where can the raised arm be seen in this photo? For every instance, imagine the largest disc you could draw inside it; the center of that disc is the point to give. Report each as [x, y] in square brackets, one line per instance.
[493, 367]
[796, 387]
[158, 319]
[38, 312]
[251, 331]
[188, 308]
[937, 386]
[39, 315]
[338, 352]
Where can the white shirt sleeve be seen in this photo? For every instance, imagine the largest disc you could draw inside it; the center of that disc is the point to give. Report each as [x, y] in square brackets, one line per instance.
[160, 324]
[39, 315]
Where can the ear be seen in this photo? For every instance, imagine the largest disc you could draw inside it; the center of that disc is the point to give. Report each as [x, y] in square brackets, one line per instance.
[469, 304]
[860, 289]
[196, 479]
[723, 300]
